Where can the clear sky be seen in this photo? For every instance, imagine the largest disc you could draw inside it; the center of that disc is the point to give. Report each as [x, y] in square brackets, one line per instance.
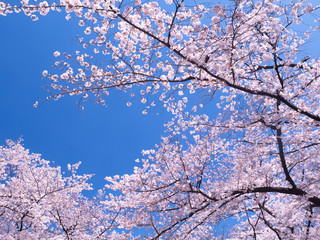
[105, 140]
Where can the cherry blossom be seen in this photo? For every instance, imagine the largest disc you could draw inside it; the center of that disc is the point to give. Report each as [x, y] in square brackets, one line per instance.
[56, 54]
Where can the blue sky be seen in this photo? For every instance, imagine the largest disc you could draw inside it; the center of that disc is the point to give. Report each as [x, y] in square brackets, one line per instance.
[105, 140]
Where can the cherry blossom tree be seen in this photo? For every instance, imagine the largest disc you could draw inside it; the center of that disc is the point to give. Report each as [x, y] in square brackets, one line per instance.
[37, 202]
[255, 162]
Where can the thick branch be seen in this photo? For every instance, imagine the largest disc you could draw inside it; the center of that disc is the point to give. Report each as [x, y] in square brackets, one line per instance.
[290, 191]
[283, 160]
